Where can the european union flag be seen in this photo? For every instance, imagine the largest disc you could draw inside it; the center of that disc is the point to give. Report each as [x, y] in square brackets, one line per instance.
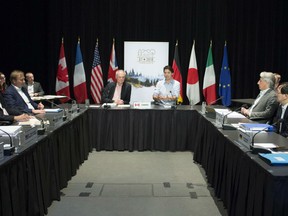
[225, 80]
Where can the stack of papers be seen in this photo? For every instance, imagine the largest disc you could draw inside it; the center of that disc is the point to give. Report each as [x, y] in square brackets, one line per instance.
[32, 121]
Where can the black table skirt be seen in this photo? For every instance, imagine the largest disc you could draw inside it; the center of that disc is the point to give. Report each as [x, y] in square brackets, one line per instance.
[244, 182]
[30, 181]
[139, 130]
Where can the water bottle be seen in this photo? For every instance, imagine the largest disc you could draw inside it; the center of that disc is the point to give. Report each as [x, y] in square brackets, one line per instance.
[191, 104]
[203, 108]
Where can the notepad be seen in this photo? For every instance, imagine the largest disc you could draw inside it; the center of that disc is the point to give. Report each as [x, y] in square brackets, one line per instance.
[53, 110]
[275, 159]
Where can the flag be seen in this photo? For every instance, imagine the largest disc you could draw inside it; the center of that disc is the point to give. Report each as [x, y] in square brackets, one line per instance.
[80, 91]
[209, 83]
[62, 78]
[113, 66]
[96, 77]
[192, 88]
[225, 80]
[177, 72]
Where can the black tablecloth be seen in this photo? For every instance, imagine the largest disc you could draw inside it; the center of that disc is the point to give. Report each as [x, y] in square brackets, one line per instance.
[30, 181]
[245, 183]
[134, 129]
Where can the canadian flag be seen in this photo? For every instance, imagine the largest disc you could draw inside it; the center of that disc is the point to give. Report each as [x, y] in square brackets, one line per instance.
[62, 78]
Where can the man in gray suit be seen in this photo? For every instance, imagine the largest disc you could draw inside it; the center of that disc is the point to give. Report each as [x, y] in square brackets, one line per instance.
[34, 88]
[265, 106]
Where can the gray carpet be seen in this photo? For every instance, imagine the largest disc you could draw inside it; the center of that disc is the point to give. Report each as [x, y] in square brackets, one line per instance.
[137, 184]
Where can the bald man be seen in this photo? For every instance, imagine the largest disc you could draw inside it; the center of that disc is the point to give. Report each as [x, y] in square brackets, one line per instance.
[118, 92]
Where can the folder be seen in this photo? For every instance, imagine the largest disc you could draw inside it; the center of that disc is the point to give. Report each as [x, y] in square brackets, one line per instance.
[256, 126]
[280, 159]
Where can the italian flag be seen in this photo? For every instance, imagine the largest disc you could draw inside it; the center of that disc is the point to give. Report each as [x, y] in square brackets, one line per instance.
[209, 83]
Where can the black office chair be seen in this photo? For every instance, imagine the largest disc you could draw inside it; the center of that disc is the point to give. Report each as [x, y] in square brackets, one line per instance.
[5, 123]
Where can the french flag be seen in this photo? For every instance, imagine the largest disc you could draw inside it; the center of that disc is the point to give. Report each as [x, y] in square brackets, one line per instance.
[80, 90]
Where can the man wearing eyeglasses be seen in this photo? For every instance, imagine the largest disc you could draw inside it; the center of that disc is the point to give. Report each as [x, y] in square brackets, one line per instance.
[265, 105]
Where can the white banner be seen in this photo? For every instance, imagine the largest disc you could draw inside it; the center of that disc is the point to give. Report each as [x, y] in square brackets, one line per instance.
[144, 63]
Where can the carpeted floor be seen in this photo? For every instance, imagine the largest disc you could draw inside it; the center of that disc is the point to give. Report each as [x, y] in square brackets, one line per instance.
[138, 184]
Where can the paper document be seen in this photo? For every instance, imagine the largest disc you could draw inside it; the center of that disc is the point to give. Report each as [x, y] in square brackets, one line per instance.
[31, 121]
[235, 115]
[265, 145]
[124, 105]
[53, 110]
[94, 106]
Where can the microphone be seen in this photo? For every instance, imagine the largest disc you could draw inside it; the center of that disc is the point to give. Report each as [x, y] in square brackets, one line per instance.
[229, 126]
[41, 130]
[56, 105]
[73, 101]
[106, 106]
[256, 150]
[8, 150]
[216, 100]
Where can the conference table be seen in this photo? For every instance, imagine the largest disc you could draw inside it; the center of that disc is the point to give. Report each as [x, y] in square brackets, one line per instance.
[246, 184]
[33, 178]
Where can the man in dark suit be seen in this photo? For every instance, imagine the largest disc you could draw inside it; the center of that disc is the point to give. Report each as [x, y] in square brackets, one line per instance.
[9, 115]
[265, 105]
[118, 92]
[282, 112]
[34, 88]
[18, 98]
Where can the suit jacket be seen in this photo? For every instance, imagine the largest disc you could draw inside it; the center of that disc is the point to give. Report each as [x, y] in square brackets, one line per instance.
[283, 130]
[10, 117]
[37, 88]
[266, 108]
[108, 93]
[14, 100]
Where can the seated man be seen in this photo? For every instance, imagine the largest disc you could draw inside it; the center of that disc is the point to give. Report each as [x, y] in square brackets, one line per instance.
[3, 84]
[265, 105]
[118, 92]
[17, 97]
[34, 88]
[8, 116]
[282, 112]
[167, 90]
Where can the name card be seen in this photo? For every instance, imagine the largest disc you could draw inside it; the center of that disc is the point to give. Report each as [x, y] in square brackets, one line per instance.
[142, 105]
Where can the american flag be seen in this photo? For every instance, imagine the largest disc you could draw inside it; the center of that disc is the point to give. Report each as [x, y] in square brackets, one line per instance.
[96, 77]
